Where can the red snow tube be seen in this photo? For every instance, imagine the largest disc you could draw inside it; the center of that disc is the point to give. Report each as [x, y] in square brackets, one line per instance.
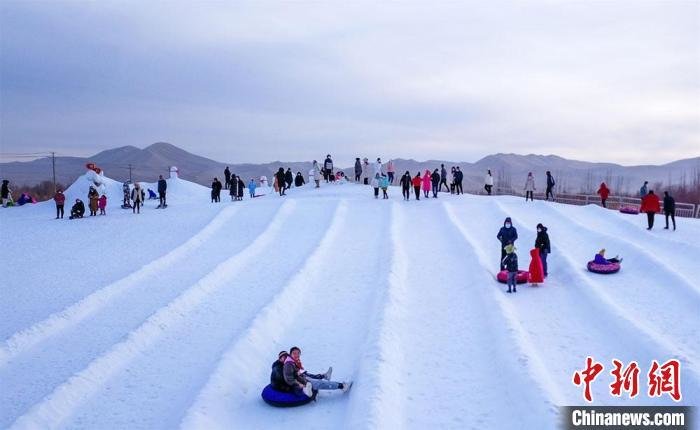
[632, 210]
[520, 278]
[604, 269]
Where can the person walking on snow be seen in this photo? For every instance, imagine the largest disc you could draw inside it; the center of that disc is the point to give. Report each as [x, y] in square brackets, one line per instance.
[604, 192]
[459, 178]
[510, 263]
[390, 170]
[507, 235]
[358, 169]
[241, 187]
[216, 190]
[5, 192]
[426, 183]
[644, 190]
[227, 178]
[669, 209]
[365, 171]
[162, 188]
[280, 180]
[375, 185]
[102, 204]
[488, 182]
[93, 197]
[453, 184]
[378, 167]
[138, 196]
[232, 189]
[416, 185]
[529, 187]
[251, 188]
[288, 178]
[327, 168]
[443, 178]
[651, 205]
[542, 243]
[405, 183]
[384, 185]
[60, 200]
[550, 186]
[435, 182]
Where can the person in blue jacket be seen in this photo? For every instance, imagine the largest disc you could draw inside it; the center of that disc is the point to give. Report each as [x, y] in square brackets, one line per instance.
[507, 235]
[251, 187]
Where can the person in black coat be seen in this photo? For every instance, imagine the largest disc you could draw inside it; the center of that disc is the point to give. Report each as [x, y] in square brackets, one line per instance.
[280, 180]
[232, 190]
[542, 243]
[78, 209]
[227, 178]
[240, 187]
[507, 235]
[216, 190]
[406, 185]
[459, 177]
[550, 186]
[162, 187]
[277, 375]
[669, 209]
[435, 182]
[358, 169]
[299, 180]
[288, 178]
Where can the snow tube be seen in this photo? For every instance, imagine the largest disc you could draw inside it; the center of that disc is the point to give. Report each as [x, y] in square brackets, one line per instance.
[283, 400]
[629, 210]
[520, 278]
[605, 269]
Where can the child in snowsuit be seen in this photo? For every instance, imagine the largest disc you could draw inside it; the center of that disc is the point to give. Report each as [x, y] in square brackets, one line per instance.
[251, 187]
[510, 262]
[384, 185]
[375, 185]
[298, 379]
[600, 258]
[102, 204]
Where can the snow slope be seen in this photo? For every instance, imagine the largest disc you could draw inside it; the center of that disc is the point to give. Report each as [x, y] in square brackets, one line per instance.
[172, 318]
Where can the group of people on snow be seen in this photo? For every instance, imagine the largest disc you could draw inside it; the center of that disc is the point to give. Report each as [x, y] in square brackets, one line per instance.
[507, 235]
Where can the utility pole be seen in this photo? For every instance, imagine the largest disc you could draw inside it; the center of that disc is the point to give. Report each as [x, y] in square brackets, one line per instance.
[53, 167]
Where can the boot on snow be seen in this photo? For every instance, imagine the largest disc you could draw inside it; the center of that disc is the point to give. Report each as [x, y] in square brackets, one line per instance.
[345, 386]
[327, 375]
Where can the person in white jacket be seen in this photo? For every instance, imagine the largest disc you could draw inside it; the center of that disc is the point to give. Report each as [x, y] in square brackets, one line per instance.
[488, 182]
[530, 187]
[315, 173]
[377, 168]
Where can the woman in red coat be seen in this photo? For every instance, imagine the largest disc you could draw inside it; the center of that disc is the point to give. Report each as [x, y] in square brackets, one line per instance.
[536, 270]
[604, 192]
[416, 185]
[426, 183]
[651, 205]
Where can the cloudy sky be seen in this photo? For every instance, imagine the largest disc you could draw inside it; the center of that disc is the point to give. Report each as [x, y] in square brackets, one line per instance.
[259, 81]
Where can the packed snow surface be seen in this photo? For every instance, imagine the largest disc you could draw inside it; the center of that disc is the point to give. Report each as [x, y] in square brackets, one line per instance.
[172, 318]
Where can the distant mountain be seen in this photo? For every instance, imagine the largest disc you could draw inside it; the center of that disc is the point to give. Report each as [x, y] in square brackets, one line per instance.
[509, 170]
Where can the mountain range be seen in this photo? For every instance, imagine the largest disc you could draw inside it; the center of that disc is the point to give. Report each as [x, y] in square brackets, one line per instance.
[508, 170]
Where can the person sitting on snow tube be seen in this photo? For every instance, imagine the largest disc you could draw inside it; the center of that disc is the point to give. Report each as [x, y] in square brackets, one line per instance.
[600, 264]
[78, 209]
[278, 392]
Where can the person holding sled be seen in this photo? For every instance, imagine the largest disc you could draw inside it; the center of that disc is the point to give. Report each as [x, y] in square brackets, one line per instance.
[669, 209]
[510, 263]
[507, 235]
[542, 243]
[60, 200]
[78, 209]
[405, 183]
[651, 205]
[297, 378]
[604, 192]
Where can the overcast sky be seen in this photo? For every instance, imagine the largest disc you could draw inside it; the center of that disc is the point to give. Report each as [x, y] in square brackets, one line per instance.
[260, 81]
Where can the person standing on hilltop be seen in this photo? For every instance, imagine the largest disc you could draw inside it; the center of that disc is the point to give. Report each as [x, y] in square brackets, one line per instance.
[279, 176]
[390, 170]
[406, 185]
[138, 196]
[162, 188]
[227, 178]
[366, 171]
[316, 174]
[327, 168]
[215, 190]
[669, 209]
[358, 169]
[651, 205]
[459, 177]
[377, 168]
[529, 187]
[435, 182]
[5, 192]
[488, 182]
[443, 178]
[60, 200]
[550, 186]
[604, 192]
[426, 183]
[93, 197]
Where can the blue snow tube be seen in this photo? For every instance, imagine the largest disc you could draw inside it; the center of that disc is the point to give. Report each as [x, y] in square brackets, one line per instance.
[282, 399]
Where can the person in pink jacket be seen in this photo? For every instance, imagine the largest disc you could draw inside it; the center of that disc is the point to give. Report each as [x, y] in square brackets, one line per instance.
[426, 183]
[102, 204]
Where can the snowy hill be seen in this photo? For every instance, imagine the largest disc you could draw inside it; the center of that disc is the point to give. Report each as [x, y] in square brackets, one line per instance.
[173, 317]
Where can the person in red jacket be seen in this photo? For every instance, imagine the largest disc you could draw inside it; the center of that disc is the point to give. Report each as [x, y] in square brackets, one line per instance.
[604, 192]
[60, 200]
[417, 181]
[651, 205]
